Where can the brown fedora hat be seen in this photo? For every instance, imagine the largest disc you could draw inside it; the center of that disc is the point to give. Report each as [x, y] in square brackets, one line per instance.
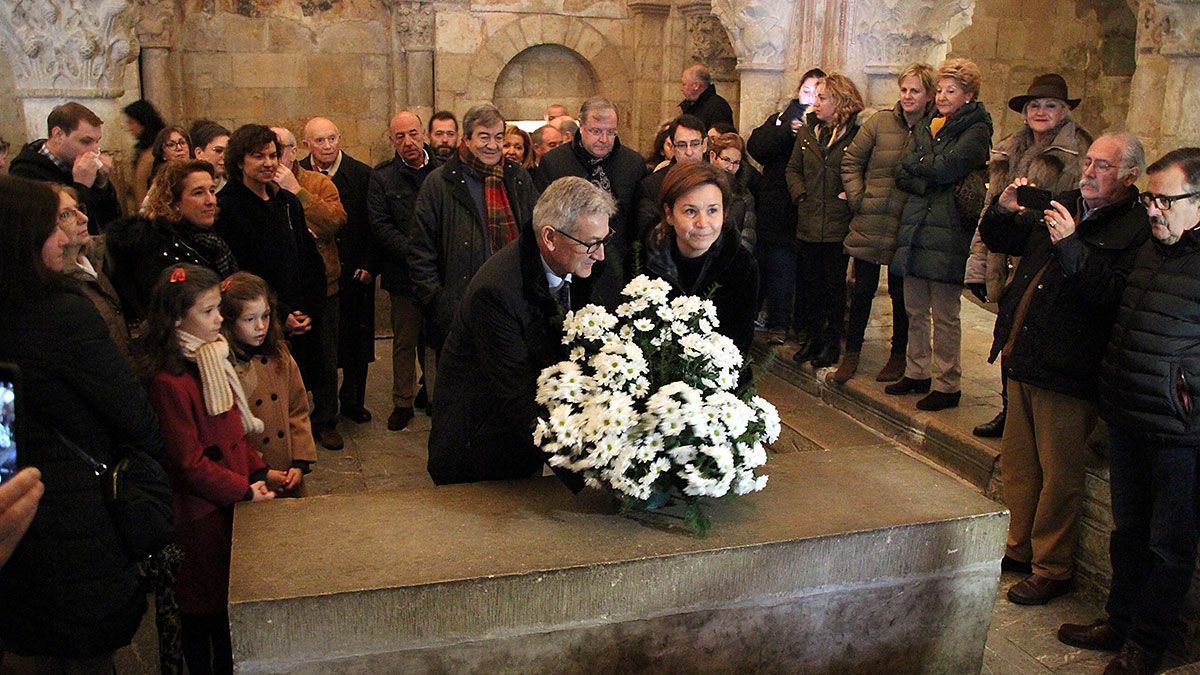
[1050, 85]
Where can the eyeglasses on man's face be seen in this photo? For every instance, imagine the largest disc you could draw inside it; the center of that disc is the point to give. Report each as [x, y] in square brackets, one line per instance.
[1163, 202]
[1098, 164]
[684, 145]
[590, 247]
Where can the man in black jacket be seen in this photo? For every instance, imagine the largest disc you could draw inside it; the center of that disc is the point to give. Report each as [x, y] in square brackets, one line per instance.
[597, 155]
[265, 228]
[507, 330]
[1149, 384]
[700, 97]
[70, 155]
[355, 313]
[467, 209]
[391, 199]
[1052, 328]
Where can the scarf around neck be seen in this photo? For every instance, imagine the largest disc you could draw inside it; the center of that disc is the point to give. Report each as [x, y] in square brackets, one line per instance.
[498, 213]
[219, 382]
[595, 165]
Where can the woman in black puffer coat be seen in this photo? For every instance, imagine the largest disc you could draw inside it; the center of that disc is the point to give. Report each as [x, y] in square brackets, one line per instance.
[69, 596]
[949, 149]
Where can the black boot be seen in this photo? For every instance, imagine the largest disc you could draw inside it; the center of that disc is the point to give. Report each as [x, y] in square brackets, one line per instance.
[992, 429]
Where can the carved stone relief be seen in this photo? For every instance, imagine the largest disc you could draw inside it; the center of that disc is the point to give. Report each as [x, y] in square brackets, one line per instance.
[68, 47]
[1171, 27]
[156, 21]
[413, 23]
[759, 30]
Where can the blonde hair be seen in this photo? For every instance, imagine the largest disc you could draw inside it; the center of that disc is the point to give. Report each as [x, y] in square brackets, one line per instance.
[847, 101]
[965, 72]
[923, 72]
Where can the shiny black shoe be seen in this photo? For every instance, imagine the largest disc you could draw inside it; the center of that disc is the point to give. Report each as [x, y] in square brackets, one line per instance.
[992, 429]
[828, 356]
[399, 418]
[422, 398]
[907, 385]
[939, 400]
[356, 413]
[806, 351]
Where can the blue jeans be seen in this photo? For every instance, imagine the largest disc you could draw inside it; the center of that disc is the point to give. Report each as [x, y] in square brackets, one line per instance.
[1153, 547]
[777, 279]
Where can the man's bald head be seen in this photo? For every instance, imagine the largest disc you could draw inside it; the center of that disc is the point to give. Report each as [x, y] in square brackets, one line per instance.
[287, 146]
[407, 136]
[323, 140]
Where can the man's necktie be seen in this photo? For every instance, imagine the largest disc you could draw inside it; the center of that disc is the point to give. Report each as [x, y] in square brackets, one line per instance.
[564, 296]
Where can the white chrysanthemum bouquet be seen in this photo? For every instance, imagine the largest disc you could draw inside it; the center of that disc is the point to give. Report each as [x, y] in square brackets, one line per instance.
[648, 404]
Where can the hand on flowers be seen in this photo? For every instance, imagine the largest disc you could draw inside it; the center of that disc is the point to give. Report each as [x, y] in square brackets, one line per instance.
[1060, 222]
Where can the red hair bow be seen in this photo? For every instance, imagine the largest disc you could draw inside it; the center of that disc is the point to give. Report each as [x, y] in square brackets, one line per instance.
[226, 283]
[178, 275]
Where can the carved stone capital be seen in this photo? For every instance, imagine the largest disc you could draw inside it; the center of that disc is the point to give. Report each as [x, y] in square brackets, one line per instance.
[710, 45]
[68, 48]
[413, 24]
[1170, 27]
[899, 33]
[758, 30]
[155, 22]
[694, 8]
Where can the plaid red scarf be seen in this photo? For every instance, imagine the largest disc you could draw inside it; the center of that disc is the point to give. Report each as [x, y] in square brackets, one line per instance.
[498, 213]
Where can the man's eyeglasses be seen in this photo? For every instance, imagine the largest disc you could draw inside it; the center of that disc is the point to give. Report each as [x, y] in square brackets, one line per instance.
[589, 246]
[684, 145]
[1163, 202]
[1098, 164]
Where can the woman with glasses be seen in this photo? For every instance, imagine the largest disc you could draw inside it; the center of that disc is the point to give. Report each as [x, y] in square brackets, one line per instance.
[171, 145]
[728, 151]
[83, 261]
[695, 249]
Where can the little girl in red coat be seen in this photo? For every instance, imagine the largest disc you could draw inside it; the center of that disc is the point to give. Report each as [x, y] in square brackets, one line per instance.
[205, 419]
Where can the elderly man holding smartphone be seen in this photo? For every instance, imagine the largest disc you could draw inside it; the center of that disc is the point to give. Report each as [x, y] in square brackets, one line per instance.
[1052, 328]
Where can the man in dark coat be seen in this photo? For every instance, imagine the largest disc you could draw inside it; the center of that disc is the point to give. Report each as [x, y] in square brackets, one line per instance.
[597, 155]
[1149, 384]
[509, 328]
[687, 134]
[265, 228]
[467, 210]
[700, 97]
[391, 199]
[1052, 327]
[70, 155]
[356, 290]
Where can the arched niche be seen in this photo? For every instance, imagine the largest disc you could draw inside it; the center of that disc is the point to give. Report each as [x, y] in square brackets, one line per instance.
[541, 75]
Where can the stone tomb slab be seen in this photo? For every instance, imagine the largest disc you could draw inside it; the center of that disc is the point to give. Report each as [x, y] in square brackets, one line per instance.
[852, 560]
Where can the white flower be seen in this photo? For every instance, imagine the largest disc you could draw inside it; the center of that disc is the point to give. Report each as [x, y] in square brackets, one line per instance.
[644, 325]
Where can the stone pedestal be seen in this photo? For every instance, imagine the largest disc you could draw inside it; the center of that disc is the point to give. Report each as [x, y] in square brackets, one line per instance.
[859, 560]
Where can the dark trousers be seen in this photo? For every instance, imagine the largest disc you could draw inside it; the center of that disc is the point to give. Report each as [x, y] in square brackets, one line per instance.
[356, 339]
[316, 356]
[206, 645]
[1153, 547]
[777, 281]
[866, 283]
[820, 291]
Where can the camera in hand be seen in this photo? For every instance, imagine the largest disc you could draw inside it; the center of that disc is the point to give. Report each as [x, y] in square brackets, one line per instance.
[1033, 198]
[9, 389]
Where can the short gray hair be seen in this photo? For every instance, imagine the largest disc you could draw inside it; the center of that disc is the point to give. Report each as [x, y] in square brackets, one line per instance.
[1133, 155]
[535, 136]
[484, 114]
[701, 72]
[568, 198]
[595, 105]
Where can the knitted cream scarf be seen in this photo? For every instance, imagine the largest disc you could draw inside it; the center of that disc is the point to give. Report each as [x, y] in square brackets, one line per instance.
[219, 382]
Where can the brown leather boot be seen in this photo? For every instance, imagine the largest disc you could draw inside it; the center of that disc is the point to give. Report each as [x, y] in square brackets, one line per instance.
[893, 370]
[846, 368]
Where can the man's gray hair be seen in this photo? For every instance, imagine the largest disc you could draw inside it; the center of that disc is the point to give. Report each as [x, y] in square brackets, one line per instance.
[701, 72]
[536, 136]
[1133, 155]
[568, 198]
[595, 105]
[484, 114]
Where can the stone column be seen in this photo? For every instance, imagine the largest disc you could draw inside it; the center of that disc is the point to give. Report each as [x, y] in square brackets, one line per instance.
[649, 26]
[710, 45]
[758, 31]
[161, 78]
[889, 35]
[67, 50]
[1166, 109]
[412, 24]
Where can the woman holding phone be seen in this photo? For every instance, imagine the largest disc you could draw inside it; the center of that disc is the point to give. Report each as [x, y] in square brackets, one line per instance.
[69, 594]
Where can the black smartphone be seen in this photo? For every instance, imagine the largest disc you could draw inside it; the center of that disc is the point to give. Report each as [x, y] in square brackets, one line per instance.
[10, 390]
[1034, 198]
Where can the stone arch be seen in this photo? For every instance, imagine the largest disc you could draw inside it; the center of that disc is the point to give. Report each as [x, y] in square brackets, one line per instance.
[601, 55]
[546, 72]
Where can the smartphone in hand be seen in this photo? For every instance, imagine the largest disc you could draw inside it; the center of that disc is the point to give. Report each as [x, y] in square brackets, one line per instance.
[1033, 198]
[10, 377]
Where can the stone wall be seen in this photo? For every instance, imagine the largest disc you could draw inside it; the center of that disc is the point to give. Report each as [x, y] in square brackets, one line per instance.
[280, 63]
[1089, 42]
[540, 74]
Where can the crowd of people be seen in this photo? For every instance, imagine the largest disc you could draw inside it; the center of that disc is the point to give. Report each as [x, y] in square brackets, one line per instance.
[207, 326]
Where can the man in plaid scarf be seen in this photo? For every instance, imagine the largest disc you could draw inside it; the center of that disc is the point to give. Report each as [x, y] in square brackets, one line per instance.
[467, 209]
